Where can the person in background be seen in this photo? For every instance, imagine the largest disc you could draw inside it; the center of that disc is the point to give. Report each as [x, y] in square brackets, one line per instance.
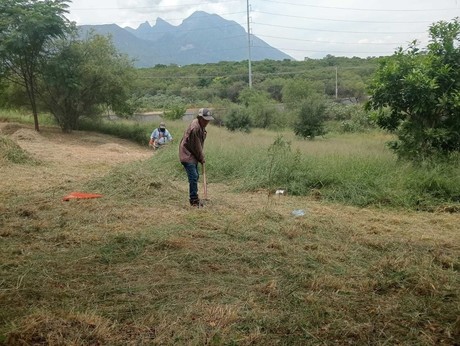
[160, 136]
[191, 151]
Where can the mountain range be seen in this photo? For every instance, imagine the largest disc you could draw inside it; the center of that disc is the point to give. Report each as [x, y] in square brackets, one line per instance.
[201, 38]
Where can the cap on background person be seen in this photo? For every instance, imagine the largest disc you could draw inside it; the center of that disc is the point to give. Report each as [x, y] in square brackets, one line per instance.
[162, 125]
[205, 114]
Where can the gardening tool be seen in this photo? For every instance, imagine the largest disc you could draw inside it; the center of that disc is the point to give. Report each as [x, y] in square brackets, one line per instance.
[205, 187]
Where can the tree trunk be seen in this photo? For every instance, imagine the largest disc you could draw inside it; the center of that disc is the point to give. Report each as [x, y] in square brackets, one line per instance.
[34, 111]
[30, 88]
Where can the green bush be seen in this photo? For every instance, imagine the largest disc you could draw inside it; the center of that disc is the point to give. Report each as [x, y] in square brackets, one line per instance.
[421, 87]
[175, 112]
[237, 119]
[311, 118]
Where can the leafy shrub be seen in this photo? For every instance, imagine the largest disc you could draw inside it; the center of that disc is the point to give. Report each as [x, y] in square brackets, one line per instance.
[311, 118]
[237, 119]
[175, 112]
[160, 101]
[422, 90]
[360, 120]
[336, 111]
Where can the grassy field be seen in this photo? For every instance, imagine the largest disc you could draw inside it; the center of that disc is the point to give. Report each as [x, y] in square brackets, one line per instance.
[374, 260]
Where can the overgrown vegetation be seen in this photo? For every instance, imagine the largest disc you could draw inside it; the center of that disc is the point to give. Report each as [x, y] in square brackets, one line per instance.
[350, 169]
[121, 129]
[413, 94]
[83, 78]
[372, 261]
[421, 89]
[311, 118]
[26, 29]
[139, 267]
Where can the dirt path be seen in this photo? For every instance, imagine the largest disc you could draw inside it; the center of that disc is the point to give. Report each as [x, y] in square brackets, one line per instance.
[63, 157]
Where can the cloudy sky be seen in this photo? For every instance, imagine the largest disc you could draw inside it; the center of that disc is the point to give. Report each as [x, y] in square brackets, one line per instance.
[300, 28]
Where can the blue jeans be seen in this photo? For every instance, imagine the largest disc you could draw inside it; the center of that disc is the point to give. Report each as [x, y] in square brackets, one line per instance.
[193, 175]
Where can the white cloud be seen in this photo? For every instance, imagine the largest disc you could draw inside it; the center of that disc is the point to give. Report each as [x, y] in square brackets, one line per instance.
[300, 28]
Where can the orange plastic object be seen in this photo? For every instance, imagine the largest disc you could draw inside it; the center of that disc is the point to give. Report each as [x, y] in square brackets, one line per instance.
[81, 195]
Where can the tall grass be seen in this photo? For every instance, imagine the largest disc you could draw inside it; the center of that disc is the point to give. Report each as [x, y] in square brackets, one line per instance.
[351, 169]
[356, 169]
[122, 129]
[141, 267]
[14, 115]
[138, 132]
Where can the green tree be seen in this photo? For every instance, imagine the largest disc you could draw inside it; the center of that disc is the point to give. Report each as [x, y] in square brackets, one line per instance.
[311, 116]
[83, 78]
[175, 112]
[237, 119]
[259, 106]
[296, 91]
[421, 90]
[273, 86]
[26, 28]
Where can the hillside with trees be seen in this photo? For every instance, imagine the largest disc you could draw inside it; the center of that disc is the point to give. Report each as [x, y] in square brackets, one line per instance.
[360, 248]
[413, 93]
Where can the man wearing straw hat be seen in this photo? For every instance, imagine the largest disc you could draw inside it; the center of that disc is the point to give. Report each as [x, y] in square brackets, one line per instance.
[191, 151]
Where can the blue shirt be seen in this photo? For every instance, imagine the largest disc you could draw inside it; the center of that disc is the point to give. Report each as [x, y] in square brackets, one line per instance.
[161, 137]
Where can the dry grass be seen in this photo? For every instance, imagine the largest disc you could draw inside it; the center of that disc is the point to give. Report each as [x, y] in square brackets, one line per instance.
[140, 267]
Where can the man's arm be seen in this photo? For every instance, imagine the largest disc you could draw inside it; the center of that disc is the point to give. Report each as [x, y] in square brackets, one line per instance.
[152, 138]
[195, 146]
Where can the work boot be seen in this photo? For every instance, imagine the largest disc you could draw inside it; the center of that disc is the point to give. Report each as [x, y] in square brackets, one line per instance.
[196, 203]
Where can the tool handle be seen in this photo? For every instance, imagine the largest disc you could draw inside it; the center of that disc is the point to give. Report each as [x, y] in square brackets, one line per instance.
[205, 187]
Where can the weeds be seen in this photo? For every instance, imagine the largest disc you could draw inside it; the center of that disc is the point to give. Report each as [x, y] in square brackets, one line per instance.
[140, 267]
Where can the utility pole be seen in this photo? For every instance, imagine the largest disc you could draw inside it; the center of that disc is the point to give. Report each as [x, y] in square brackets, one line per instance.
[249, 46]
[336, 88]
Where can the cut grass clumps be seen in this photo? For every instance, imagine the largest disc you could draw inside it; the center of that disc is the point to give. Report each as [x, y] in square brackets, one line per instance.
[140, 181]
[141, 267]
[122, 248]
[62, 328]
[10, 152]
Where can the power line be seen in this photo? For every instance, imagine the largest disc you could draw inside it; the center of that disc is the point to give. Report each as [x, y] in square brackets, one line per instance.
[332, 42]
[345, 20]
[145, 7]
[341, 31]
[325, 51]
[362, 9]
[272, 1]
[270, 16]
